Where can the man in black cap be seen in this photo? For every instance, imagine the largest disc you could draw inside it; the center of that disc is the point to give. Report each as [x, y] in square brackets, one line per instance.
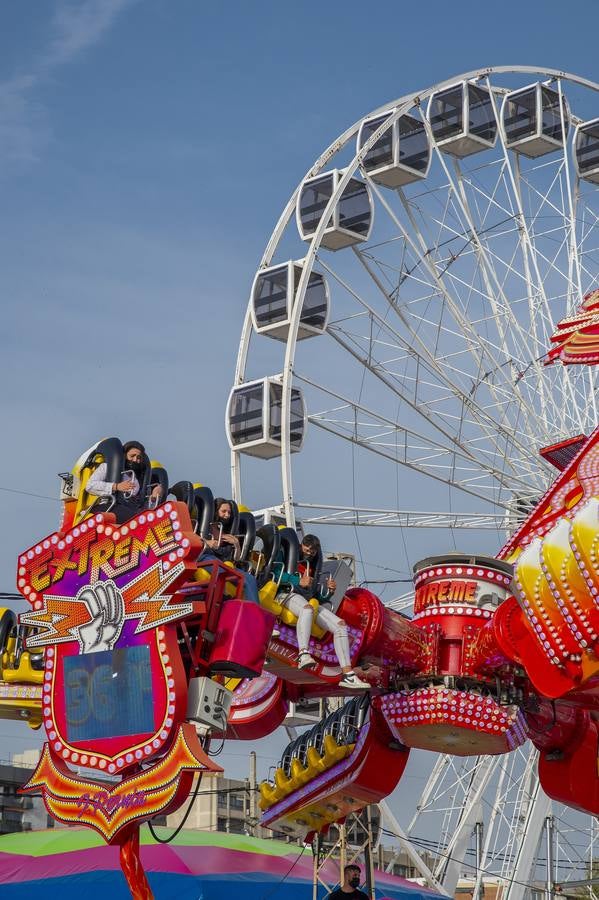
[127, 497]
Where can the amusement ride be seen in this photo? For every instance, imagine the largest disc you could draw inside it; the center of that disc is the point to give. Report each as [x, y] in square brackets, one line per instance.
[428, 308]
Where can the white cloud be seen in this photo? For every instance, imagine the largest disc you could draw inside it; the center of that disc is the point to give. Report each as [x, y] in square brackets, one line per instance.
[76, 25]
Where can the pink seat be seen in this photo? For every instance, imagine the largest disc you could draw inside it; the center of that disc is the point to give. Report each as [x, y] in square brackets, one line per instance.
[242, 637]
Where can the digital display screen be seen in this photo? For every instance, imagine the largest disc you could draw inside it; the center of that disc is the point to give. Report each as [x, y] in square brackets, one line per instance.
[108, 694]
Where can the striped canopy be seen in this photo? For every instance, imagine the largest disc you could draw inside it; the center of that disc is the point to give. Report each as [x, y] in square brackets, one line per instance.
[75, 864]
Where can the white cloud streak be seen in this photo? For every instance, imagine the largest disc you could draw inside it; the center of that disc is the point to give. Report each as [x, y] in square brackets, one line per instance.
[76, 25]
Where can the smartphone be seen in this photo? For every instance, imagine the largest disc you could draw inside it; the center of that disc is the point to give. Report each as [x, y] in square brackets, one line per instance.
[127, 475]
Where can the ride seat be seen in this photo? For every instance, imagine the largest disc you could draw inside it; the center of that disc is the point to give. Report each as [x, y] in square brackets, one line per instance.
[332, 725]
[19, 665]
[301, 762]
[202, 575]
[315, 737]
[285, 763]
[157, 476]
[109, 451]
[269, 600]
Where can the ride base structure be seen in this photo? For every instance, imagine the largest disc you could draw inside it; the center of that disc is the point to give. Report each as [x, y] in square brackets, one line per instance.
[135, 651]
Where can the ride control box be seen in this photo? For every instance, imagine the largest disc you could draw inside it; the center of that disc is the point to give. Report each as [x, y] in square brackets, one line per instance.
[208, 703]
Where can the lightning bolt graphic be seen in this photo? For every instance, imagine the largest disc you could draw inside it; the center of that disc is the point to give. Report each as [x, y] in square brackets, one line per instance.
[58, 620]
[145, 598]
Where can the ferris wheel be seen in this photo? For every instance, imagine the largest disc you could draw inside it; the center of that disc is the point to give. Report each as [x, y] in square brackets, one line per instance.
[392, 362]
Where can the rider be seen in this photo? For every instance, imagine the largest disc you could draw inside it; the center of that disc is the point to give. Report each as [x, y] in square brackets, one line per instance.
[127, 497]
[226, 547]
[303, 588]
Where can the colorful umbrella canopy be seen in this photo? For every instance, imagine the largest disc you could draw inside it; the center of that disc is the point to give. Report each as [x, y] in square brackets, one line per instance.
[74, 863]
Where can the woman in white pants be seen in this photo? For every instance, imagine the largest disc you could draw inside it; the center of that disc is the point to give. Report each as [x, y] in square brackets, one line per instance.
[303, 587]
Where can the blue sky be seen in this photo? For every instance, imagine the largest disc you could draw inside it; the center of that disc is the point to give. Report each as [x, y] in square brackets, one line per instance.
[146, 150]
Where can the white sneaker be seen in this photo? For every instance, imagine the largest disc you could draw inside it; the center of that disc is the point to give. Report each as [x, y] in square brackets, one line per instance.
[305, 660]
[351, 681]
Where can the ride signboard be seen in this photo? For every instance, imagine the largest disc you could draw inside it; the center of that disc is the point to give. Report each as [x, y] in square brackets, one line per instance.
[105, 602]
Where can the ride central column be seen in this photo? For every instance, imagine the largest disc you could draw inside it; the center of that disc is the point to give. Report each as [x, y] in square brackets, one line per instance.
[464, 700]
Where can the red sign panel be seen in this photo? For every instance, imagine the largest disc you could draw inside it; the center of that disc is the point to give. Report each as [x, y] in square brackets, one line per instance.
[105, 601]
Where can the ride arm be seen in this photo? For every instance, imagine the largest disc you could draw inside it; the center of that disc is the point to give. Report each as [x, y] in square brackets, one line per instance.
[323, 595]
[283, 577]
[96, 486]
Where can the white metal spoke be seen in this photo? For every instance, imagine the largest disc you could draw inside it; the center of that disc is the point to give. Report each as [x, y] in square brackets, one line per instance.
[328, 514]
[439, 366]
[413, 446]
[477, 348]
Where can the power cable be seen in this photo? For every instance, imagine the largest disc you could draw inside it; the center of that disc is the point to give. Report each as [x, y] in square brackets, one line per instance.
[387, 581]
[172, 836]
[285, 876]
[449, 858]
[29, 494]
[236, 790]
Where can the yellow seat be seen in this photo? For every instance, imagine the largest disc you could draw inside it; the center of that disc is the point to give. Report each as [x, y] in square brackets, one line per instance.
[269, 601]
[300, 775]
[282, 781]
[268, 794]
[334, 752]
[85, 502]
[202, 575]
[316, 764]
[24, 674]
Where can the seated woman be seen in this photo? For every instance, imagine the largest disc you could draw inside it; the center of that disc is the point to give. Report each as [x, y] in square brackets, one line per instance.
[225, 546]
[303, 587]
[127, 493]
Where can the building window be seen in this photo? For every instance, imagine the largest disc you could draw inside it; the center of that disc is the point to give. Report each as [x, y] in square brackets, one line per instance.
[236, 801]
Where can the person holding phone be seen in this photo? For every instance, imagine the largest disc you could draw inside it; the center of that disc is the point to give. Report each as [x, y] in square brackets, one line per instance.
[126, 492]
[302, 587]
[225, 546]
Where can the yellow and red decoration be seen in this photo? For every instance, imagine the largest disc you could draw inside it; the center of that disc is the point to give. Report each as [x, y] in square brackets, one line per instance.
[577, 337]
[108, 808]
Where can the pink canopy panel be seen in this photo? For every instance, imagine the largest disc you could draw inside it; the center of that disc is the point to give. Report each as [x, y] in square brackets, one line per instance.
[75, 864]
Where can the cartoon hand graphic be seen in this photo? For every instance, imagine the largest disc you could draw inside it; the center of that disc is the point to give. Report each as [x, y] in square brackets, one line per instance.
[105, 603]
